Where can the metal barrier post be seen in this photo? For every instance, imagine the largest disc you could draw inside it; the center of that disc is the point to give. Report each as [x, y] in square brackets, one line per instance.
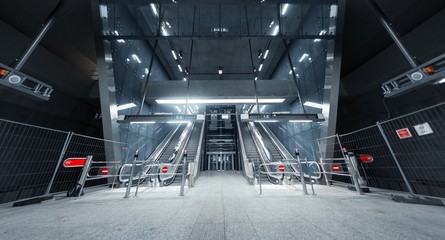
[352, 171]
[303, 182]
[191, 168]
[130, 179]
[62, 154]
[259, 176]
[310, 177]
[83, 177]
[139, 181]
[395, 159]
[350, 167]
[184, 164]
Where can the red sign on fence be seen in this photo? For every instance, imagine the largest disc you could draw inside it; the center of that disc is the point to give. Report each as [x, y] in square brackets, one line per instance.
[336, 168]
[404, 133]
[164, 169]
[74, 162]
[281, 168]
[104, 171]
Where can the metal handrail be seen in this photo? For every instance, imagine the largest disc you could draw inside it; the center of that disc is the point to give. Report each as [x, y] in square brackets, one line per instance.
[247, 167]
[283, 151]
[261, 151]
[181, 149]
[198, 153]
[160, 148]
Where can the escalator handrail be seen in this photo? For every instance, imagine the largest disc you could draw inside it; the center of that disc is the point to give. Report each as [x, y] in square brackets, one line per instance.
[180, 154]
[161, 147]
[261, 151]
[198, 153]
[247, 167]
[280, 147]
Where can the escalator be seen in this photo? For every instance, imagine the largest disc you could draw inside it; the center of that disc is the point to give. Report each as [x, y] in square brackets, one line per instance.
[191, 144]
[257, 153]
[275, 153]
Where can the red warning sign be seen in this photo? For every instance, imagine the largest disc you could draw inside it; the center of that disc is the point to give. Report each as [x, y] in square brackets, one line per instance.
[404, 133]
[281, 168]
[164, 169]
[335, 168]
[74, 162]
[104, 171]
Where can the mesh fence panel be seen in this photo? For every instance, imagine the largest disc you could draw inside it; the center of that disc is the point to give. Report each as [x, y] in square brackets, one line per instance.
[382, 172]
[28, 158]
[82, 146]
[418, 142]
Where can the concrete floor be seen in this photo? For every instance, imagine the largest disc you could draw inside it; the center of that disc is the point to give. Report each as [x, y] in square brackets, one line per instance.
[223, 206]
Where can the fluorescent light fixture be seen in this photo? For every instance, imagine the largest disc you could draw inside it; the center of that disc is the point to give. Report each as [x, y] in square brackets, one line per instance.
[121, 41]
[180, 68]
[312, 104]
[220, 101]
[103, 11]
[333, 11]
[290, 72]
[116, 32]
[301, 121]
[174, 55]
[441, 81]
[266, 120]
[275, 30]
[261, 67]
[321, 33]
[153, 9]
[146, 70]
[145, 122]
[179, 121]
[164, 32]
[265, 54]
[136, 58]
[304, 56]
[284, 10]
[126, 106]
[271, 24]
[185, 79]
[256, 78]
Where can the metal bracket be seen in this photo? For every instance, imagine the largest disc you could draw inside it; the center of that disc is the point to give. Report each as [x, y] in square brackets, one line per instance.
[427, 73]
[23, 83]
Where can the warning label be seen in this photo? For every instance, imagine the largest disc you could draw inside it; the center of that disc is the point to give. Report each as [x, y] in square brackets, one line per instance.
[404, 133]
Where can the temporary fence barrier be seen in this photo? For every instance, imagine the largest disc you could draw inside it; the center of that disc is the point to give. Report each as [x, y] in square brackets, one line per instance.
[407, 152]
[31, 160]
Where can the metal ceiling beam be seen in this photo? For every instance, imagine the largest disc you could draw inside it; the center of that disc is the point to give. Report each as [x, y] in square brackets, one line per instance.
[200, 37]
[252, 65]
[238, 2]
[144, 93]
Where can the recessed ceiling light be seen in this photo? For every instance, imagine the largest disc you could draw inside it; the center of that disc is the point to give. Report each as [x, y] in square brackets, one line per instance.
[312, 104]
[266, 53]
[126, 106]
[220, 101]
[284, 10]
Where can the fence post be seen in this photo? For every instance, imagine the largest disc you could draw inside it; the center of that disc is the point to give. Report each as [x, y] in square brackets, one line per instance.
[62, 154]
[350, 167]
[395, 159]
[83, 177]
[310, 176]
[303, 182]
[259, 176]
[184, 165]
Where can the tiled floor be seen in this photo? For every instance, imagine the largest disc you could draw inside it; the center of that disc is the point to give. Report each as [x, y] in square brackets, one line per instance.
[223, 206]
